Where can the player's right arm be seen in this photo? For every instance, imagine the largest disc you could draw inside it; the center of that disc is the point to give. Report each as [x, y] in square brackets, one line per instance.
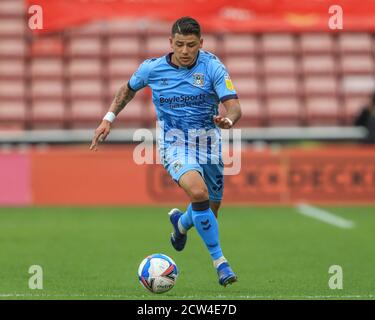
[122, 98]
[127, 92]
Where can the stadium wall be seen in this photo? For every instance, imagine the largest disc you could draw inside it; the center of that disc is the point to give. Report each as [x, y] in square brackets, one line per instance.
[76, 176]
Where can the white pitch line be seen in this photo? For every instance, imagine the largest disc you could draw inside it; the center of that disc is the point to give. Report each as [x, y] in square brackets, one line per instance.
[324, 216]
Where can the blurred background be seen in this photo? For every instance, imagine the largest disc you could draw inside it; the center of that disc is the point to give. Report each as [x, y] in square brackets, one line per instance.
[302, 87]
[302, 202]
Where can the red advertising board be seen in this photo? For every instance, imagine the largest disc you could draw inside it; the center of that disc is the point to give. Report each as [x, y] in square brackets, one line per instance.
[218, 15]
[77, 176]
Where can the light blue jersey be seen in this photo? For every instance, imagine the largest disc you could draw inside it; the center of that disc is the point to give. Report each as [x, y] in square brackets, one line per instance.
[186, 99]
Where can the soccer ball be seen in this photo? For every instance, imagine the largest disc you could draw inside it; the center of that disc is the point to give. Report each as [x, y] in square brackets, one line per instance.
[158, 273]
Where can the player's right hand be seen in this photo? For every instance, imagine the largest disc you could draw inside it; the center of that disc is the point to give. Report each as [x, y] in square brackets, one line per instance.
[101, 134]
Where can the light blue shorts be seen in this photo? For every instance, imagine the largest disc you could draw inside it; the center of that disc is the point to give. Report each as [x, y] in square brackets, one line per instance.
[212, 173]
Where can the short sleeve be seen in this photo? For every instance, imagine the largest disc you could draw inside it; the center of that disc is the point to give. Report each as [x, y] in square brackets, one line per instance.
[222, 82]
[139, 79]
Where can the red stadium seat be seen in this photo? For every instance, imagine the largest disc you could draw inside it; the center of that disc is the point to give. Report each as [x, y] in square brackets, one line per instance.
[10, 47]
[86, 112]
[11, 6]
[47, 67]
[239, 44]
[90, 30]
[157, 46]
[86, 88]
[51, 46]
[160, 28]
[48, 114]
[284, 111]
[282, 86]
[12, 68]
[12, 89]
[317, 43]
[241, 65]
[124, 45]
[276, 65]
[12, 28]
[121, 26]
[252, 112]
[357, 64]
[355, 42]
[246, 87]
[85, 46]
[322, 111]
[278, 43]
[84, 67]
[320, 85]
[122, 68]
[318, 64]
[40, 88]
[12, 111]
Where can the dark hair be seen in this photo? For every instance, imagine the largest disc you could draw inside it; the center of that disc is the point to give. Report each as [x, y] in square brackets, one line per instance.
[186, 26]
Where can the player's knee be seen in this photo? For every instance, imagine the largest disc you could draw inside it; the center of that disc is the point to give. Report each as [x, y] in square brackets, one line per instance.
[199, 193]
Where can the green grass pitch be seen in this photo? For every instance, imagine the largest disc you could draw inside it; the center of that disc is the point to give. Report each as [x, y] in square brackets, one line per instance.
[94, 253]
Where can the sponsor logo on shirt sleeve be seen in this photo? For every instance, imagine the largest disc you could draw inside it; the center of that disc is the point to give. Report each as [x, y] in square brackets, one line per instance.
[228, 83]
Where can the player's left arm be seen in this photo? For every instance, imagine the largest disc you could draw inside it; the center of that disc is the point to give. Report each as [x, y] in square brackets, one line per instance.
[226, 93]
[233, 114]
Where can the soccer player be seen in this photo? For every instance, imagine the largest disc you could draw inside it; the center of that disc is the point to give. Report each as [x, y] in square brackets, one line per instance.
[187, 86]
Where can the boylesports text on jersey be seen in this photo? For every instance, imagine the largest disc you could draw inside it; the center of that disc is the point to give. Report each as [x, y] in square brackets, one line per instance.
[182, 100]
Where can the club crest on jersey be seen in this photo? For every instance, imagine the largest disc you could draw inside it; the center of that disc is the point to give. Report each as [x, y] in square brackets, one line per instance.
[198, 79]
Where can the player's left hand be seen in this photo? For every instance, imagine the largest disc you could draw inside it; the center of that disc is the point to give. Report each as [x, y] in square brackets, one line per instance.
[223, 122]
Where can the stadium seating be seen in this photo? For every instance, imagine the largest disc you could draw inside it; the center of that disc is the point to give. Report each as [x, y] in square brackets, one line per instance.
[68, 79]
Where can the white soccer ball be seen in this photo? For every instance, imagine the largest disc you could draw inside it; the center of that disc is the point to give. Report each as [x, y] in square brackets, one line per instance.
[158, 273]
